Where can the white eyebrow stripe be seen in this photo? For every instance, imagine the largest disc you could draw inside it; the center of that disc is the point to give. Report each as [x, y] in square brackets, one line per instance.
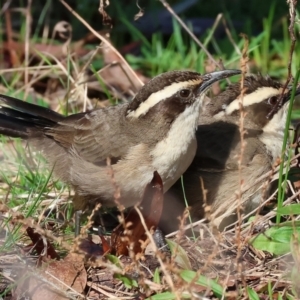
[158, 96]
[255, 97]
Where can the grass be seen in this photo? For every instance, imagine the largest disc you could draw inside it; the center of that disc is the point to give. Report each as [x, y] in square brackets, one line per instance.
[283, 180]
[27, 184]
[268, 55]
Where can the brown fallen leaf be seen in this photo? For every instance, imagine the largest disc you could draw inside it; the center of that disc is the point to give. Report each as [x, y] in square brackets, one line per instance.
[53, 279]
[42, 246]
[93, 250]
[132, 237]
[117, 75]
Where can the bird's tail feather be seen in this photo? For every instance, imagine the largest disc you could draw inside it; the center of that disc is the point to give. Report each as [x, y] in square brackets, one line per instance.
[23, 119]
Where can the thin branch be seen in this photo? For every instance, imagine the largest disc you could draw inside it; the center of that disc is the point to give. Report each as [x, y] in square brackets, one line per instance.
[27, 42]
[104, 41]
[169, 8]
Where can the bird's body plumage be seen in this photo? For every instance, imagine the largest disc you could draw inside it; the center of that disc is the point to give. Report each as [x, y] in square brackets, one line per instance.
[216, 162]
[78, 146]
[154, 132]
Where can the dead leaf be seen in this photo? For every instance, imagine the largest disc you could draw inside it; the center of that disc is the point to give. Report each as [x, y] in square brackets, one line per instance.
[117, 75]
[92, 249]
[42, 246]
[140, 13]
[53, 279]
[106, 19]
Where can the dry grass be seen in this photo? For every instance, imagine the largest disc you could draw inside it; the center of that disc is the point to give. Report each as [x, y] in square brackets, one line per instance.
[228, 257]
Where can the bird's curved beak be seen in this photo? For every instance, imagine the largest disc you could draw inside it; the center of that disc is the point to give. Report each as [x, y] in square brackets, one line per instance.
[297, 91]
[288, 93]
[285, 98]
[210, 78]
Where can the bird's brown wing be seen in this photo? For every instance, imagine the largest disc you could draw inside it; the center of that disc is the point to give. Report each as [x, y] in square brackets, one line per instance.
[94, 136]
[219, 146]
[214, 143]
[216, 158]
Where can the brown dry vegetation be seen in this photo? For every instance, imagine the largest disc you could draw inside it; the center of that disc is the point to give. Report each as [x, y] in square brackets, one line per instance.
[223, 265]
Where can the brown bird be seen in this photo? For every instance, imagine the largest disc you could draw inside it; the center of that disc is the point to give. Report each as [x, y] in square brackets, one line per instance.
[218, 151]
[153, 132]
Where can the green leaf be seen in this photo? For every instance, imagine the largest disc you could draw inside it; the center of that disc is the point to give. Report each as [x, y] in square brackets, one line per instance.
[290, 297]
[127, 281]
[115, 260]
[277, 248]
[270, 290]
[279, 297]
[282, 179]
[275, 240]
[252, 294]
[163, 296]
[292, 209]
[284, 234]
[156, 277]
[169, 296]
[180, 255]
[190, 276]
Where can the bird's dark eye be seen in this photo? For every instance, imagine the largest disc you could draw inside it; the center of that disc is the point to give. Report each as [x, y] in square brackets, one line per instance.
[272, 100]
[185, 93]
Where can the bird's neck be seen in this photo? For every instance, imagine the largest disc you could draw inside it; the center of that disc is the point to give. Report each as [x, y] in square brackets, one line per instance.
[173, 155]
[273, 133]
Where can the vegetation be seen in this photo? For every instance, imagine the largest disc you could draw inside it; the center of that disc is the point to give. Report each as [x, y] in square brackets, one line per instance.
[68, 72]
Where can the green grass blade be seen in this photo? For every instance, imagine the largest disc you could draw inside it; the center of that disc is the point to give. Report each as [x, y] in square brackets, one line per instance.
[285, 138]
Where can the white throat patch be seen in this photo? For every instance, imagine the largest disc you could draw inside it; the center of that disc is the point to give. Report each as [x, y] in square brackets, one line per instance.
[273, 132]
[173, 155]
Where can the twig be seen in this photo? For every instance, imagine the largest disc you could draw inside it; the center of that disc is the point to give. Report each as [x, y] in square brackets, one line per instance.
[229, 35]
[5, 7]
[244, 62]
[169, 8]
[102, 291]
[292, 11]
[103, 39]
[162, 265]
[27, 42]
